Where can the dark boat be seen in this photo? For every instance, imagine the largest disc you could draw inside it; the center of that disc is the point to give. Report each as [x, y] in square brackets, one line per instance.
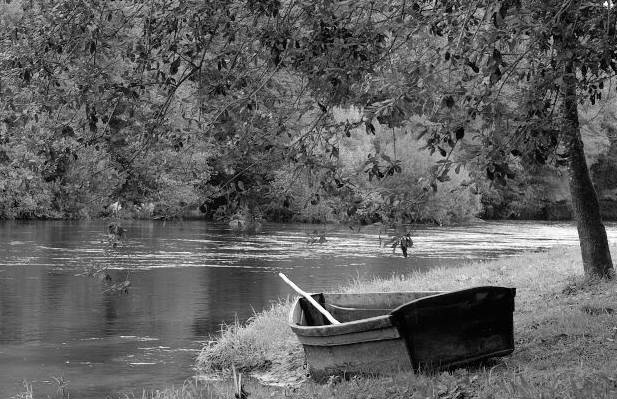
[393, 331]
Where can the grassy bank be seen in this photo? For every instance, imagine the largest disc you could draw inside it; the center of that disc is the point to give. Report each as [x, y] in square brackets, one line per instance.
[565, 333]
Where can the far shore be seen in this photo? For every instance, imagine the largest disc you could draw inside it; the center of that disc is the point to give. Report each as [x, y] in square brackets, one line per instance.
[197, 216]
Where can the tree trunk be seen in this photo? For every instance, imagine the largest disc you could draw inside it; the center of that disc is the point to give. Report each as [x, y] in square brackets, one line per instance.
[586, 209]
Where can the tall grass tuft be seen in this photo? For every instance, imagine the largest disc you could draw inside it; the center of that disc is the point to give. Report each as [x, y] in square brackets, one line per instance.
[27, 393]
[263, 343]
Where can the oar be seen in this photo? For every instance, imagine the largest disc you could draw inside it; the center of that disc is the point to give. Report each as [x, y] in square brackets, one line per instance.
[309, 298]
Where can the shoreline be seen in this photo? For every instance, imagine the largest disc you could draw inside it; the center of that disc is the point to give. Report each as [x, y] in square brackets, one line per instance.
[565, 332]
[203, 217]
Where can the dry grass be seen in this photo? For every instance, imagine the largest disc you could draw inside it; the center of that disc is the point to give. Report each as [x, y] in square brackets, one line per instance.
[565, 332]
[27, 393]
[189, 390]
[264, 343]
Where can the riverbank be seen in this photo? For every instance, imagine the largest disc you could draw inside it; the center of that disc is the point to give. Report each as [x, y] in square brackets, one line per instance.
[565, 338]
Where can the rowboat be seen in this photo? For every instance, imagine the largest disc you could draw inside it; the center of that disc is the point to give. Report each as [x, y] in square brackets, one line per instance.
[386, 332]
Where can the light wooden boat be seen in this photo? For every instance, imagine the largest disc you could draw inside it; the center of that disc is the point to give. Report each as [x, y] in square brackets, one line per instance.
[386, 332]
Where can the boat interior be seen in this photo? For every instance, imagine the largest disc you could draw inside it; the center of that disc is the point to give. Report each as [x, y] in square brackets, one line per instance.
[352, 307]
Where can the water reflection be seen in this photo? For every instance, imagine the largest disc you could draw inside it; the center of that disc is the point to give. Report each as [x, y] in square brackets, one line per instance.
[187, 278]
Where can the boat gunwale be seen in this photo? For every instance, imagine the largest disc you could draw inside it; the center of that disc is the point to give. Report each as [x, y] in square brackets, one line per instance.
[475, 288]
[354, 326]
[369, 323]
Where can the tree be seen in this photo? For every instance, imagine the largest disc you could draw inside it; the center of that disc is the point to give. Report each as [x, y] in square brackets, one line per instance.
[563, 48]
[455, 63]
[578, 25]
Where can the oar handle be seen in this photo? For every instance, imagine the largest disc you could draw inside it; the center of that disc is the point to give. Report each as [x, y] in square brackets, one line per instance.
[309, 298]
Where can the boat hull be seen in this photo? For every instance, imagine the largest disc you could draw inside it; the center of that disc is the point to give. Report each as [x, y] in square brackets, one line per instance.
[366, 358]
[382, 333]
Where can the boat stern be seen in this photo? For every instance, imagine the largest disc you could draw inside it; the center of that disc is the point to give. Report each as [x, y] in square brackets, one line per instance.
[451, 329]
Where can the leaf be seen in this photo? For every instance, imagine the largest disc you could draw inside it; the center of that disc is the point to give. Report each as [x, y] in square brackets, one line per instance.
[497, 19]
[443, 178]
[173, 68]
[370, 129]
[495, 76]
[503, 10]
[490, 173]
[92, 47]
[348, 128]
[473, 66]
[448, 101]
[240, 185]
[459, 132]
[497, 59]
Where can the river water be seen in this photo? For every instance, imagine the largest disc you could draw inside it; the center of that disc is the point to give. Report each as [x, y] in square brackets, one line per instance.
[187, 278]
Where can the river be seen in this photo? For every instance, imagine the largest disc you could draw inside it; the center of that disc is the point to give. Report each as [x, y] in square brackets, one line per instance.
[186, 279]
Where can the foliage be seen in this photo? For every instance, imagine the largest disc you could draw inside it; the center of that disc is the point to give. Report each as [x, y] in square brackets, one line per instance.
[297, 200]
[88, 78]
[231, 106]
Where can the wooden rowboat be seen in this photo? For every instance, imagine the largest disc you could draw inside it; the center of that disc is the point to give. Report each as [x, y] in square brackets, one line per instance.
[385, 332]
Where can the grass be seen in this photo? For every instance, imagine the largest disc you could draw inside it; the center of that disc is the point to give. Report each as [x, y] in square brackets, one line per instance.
[263, 346]
[266, 343]
[565, 333]
[189, 390]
